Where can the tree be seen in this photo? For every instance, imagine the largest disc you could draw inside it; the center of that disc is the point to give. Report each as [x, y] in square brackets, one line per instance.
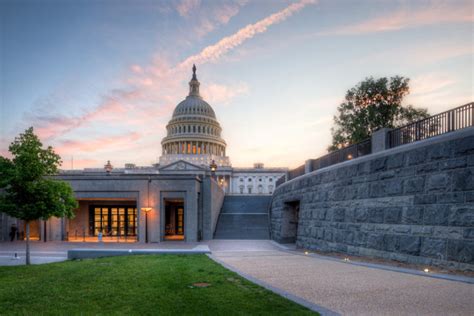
[29, 190]
[370, 105]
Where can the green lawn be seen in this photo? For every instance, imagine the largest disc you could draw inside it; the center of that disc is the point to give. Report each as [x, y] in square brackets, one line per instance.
[142, 285]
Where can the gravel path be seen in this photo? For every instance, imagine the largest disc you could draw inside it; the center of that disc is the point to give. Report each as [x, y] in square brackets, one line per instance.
[349, 289]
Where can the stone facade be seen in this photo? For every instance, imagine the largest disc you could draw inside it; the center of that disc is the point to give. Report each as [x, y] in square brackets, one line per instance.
[201, 199]
[414, 204]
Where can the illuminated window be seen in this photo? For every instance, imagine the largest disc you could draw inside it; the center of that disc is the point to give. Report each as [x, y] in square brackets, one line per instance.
[113, 220]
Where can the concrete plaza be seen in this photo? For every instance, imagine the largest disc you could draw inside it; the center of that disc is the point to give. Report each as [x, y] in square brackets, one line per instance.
[325, 284]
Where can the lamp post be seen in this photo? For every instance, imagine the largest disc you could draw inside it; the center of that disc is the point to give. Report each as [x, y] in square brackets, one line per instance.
[213, 167]
[146, 210]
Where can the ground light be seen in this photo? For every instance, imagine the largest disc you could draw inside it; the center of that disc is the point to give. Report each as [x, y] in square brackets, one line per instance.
[426, 270]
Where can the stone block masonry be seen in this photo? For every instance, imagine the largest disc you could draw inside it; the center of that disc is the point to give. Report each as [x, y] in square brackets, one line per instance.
[414, 204]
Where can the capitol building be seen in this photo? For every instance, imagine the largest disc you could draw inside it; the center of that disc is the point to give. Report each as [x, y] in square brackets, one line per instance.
[194, 142]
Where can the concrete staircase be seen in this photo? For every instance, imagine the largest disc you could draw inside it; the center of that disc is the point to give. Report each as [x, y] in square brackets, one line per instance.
[243, 217]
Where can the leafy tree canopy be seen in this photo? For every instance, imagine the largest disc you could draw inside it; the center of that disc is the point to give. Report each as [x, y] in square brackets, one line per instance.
[370, 105]
[29, 191]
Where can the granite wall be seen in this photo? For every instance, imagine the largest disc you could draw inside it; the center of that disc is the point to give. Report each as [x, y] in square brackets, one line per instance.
[413, 203]
[213, 198]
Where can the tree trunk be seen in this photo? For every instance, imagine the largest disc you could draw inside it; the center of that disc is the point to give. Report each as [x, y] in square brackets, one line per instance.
[27, 242]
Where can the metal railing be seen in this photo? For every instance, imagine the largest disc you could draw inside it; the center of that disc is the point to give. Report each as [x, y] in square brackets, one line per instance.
[299, 171]
[449, 121]
[347, 153]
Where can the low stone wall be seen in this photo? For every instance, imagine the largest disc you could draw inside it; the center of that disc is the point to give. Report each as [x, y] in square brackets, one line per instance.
[213, 197]
[414, 204]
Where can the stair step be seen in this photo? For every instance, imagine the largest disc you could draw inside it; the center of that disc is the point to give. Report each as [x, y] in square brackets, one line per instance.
[243, 217]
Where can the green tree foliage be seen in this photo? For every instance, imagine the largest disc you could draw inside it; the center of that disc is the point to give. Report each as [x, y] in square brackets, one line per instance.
[370, 105]
[29, 191]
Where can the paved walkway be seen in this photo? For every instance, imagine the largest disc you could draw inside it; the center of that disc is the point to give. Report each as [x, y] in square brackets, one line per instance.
[326, 283]
[347, 288]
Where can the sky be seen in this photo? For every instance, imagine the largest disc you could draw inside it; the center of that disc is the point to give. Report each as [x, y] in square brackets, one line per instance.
[98, 80]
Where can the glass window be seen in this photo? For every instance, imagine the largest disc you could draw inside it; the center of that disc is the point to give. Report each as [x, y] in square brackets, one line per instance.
[115, 221]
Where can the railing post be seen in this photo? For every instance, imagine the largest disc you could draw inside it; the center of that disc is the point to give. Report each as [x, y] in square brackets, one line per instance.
[379, 139]
[450, 121]
[308, 166]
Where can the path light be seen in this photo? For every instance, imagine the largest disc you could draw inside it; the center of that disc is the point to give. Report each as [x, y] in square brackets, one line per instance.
[306, 253]
[426, 270]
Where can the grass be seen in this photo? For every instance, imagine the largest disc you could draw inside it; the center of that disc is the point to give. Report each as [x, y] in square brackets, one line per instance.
[142, 285]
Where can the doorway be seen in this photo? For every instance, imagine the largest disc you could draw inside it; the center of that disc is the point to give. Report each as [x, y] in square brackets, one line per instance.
[289, 228]
[174, 219]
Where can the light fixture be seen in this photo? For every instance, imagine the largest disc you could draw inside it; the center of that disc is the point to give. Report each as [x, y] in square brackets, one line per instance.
[213, 168]
[349, 156]
[147, 210]
[108, 167]
[306, 253]
[426, 270]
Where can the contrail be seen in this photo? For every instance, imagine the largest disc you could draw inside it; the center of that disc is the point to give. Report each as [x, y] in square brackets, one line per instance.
[213, 52]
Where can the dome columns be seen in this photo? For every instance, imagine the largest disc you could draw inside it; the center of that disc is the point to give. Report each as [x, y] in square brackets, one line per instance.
[193, 148]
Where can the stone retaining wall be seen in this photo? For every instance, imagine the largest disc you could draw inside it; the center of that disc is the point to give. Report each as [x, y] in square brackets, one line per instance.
[414, 204]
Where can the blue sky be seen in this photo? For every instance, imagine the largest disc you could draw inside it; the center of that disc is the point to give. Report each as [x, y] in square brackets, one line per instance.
[99, 79]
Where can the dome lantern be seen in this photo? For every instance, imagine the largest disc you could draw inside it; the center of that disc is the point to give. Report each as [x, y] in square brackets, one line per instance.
[194, 84]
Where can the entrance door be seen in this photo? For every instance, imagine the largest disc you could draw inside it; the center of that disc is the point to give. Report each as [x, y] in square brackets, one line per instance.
[174, 219]
[290, 223]
[117, 221]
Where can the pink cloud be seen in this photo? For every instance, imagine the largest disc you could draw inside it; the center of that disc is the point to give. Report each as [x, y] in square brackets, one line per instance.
[67, 147]
[52, 126]
[136, 69]
[218, 94]
[80, 163]
[430, 83]
[437, 13]
[185, 7]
